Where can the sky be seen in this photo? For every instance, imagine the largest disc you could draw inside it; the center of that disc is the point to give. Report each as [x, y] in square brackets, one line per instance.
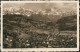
[61, 6]
[41, 5]
[33, 6]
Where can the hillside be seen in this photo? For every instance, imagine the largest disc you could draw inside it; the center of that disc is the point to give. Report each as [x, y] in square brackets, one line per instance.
[68, 23]
[36, 30]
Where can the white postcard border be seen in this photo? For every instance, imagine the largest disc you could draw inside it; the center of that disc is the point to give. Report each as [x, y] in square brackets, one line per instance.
[39, 49]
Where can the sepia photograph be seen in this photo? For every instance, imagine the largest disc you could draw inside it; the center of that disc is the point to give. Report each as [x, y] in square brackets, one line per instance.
[40, 26]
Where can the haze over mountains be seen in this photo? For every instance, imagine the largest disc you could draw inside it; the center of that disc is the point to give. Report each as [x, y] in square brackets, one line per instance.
[62, 9]
[43, 14]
